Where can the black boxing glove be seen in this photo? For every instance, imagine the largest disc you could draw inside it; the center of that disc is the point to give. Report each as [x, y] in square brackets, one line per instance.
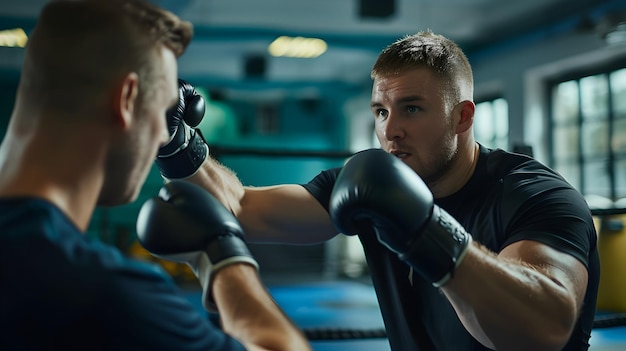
[186, 224]
[182, 156]
[376, 190]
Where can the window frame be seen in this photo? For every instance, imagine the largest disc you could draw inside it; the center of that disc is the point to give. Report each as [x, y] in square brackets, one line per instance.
[577, 75]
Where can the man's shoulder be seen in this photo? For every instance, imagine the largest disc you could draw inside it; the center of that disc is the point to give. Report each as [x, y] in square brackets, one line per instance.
[15, 211]
[502, 164]
[32, 228]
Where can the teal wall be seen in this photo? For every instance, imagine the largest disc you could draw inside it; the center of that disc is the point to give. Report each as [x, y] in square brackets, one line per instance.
[8, 87]
[308, 126]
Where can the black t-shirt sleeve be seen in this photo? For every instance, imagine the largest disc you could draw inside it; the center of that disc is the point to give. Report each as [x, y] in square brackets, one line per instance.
[548, 210]
[322, 186]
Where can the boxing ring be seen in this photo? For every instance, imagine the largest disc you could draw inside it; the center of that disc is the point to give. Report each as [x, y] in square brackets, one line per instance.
[343, 315]
[338, 313]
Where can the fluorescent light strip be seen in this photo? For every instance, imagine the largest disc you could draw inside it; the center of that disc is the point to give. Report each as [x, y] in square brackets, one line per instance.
[13, 38]
[300, 47]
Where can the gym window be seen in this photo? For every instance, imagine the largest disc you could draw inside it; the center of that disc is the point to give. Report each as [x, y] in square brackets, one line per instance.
[491, 123]
[588, 132]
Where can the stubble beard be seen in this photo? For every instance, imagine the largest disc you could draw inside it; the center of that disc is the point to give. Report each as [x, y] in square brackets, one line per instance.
[441, 164]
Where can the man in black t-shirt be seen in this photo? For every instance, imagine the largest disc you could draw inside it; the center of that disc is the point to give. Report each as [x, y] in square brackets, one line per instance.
[469, 248]
[509, 198]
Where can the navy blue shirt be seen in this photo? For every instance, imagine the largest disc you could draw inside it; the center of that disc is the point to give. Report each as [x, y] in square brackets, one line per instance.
[59, 290]
[509, 197]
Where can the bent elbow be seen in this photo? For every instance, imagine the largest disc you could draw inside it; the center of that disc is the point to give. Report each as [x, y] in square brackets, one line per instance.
[557, 331]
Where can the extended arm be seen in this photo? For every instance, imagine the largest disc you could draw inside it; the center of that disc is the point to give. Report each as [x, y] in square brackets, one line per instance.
[285, 213]
[282, 213]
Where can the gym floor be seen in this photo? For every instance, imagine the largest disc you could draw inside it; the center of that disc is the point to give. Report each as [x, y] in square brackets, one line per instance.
[343, 315]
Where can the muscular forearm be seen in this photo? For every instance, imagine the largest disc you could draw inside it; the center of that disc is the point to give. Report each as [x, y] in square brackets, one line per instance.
[249, 314]
[510, 305]
[220, 181]
[285, 213]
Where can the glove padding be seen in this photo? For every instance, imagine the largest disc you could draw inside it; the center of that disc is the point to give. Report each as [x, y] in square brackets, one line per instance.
[182, 156]
[186, 224]
[375, 190]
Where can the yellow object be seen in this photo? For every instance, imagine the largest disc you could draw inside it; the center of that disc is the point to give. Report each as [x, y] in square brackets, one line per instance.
[612, 251]
[180, 272]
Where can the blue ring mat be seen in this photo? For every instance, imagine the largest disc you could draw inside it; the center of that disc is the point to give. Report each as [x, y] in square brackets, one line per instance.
[352, 307]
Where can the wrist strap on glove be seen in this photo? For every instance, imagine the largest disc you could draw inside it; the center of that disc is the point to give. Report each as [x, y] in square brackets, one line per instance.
[186, 160]
[221, 252]
[440, 248]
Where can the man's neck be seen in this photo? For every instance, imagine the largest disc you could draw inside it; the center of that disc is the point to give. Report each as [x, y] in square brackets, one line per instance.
[57, 172]
[460, 171]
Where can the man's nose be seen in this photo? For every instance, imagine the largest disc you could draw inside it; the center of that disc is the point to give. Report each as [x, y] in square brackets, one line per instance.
[393, 129]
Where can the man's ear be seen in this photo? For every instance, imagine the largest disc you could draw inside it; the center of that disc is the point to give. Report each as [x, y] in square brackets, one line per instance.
[466, 111]
[125, 97]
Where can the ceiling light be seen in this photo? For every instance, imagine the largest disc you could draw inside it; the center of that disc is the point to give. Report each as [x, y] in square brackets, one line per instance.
[301, 47]
[13, 38]
[617, 35]
[612, 28]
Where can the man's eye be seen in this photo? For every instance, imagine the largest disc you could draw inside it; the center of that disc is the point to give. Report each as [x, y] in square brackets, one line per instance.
[381, 113]
[412, 109]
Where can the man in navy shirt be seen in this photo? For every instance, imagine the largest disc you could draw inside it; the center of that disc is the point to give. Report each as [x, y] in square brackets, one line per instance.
[90, 115]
